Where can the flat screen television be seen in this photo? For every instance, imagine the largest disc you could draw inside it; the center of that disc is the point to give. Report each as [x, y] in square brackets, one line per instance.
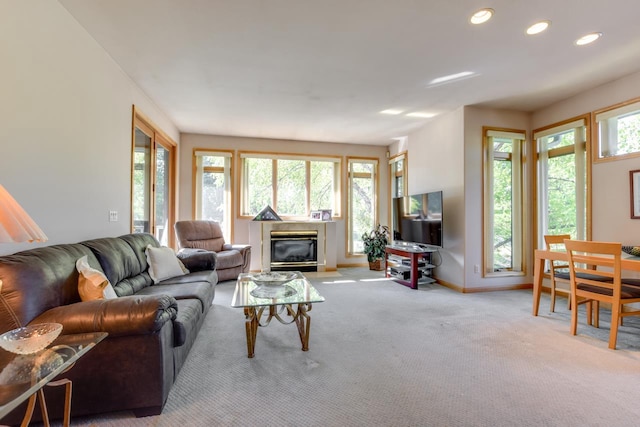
[417, 219]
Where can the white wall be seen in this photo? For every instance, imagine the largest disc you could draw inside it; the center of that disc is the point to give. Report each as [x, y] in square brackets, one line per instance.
[436, 162]
[241, 226]
[474, 119]
[65, 124]
[610, 180]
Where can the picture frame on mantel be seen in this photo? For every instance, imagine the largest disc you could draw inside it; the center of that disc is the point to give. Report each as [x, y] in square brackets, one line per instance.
[634, 187]
[326, 214]
[316, 216]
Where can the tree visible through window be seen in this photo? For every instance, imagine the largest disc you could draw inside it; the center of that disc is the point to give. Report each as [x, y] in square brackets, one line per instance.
[293, 186]
[503, 202]
[562, 180]
[363, 204]
[212, 188]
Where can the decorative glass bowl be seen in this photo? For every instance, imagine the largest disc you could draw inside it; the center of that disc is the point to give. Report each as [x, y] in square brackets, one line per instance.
[273, 284]
[30, 339]
[274, 278]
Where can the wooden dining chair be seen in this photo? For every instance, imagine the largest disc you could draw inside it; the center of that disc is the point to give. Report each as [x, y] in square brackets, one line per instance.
[558, 270]
[559, 273]
[608, 288]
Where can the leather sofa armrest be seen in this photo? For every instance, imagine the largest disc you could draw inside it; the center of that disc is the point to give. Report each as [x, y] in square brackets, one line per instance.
[198, 259]
[245, 251]
[238, 247]
[131, 315]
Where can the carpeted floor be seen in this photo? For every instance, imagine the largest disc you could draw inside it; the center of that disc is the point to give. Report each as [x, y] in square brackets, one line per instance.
[382, 354]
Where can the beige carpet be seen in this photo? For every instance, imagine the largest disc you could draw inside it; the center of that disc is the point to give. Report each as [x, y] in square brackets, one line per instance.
[382, 354]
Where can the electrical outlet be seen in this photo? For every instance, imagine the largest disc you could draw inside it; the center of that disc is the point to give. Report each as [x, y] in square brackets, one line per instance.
[476, 269]
[113, 216]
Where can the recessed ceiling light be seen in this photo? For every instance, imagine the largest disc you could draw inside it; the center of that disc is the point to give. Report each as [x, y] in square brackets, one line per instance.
[538, 27]
[481, 16]
[422, 115]
[391, 112]
[451, 77]
[589, 38]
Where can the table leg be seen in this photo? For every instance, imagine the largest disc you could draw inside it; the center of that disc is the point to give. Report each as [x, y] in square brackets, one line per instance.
[537, 283]
[303, 322]
[251, 326]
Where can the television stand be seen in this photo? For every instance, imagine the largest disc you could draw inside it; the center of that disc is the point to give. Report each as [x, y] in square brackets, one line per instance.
[410, 265]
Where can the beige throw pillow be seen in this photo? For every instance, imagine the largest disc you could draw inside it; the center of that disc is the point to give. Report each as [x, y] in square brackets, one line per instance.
[92, 283]
[163, 263]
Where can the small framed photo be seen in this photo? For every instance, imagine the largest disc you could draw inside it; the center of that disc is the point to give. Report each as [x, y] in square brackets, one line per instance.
[316, 215]
[326, 214]
[634, 183]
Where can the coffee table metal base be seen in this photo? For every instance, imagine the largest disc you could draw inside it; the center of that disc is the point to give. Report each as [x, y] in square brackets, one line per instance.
[253, 316]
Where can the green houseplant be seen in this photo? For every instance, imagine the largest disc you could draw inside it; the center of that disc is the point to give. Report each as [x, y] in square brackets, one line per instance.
[375, 242]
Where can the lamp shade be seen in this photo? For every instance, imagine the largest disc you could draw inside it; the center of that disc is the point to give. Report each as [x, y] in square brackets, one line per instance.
[15, 224]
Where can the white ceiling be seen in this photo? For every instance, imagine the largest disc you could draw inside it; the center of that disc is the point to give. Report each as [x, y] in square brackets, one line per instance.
[321, 70]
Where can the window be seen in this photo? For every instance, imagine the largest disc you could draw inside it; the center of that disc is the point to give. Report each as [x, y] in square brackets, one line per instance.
[503, 201]
[152, 181]
[618, 131]
[363, 202]
[398, 175]
[292, 185]
[561, 184]
[212, 189]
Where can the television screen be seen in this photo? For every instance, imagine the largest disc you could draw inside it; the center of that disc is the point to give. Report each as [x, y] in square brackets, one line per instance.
[417, 219]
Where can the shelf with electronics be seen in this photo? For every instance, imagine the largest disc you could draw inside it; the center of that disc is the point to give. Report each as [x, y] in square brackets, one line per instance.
[410, 265]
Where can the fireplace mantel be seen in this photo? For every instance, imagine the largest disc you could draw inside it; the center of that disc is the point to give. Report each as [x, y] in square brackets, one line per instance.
[260, 240]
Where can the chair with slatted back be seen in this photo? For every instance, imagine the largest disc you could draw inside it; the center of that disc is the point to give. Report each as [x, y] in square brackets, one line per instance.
[610, 287]
[559, 271]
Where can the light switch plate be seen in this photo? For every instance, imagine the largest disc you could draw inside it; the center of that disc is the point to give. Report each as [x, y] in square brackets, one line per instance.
[113, 216]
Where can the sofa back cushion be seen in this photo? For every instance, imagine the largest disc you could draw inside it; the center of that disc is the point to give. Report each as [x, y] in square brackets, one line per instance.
[123, 261]
[199, 235]
[37, 280]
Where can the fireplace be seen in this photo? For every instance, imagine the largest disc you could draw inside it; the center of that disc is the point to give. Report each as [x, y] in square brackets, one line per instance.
[294, 250]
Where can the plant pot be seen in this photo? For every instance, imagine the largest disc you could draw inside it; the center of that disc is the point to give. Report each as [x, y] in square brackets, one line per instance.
[377, 265]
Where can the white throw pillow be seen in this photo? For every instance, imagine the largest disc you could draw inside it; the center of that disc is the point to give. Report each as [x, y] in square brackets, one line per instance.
[92, 283]
[163, 263]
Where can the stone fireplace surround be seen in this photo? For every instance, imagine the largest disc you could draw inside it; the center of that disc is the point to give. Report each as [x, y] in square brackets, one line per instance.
[260, 240]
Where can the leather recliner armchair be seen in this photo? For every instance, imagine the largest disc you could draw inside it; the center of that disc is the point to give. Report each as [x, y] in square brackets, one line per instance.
[232, 259]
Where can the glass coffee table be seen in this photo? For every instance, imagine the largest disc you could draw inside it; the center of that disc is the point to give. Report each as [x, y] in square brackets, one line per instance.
[278, 303]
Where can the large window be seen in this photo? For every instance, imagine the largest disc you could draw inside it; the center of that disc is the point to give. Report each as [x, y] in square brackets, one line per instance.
[618, 131]
[292, 185]
[503, 202]
[562, 178]
[152, 181]
[363, 201]
[212, 188]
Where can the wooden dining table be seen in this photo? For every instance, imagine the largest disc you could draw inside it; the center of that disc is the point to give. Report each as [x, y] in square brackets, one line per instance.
[542, 255]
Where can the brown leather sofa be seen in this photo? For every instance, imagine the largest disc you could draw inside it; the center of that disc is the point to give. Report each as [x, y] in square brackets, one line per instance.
[233, 259]
[151, 326]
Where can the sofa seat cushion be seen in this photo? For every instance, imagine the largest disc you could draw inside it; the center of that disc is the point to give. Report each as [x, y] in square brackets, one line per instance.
[202, 291]
[229, 259]
[187, 320]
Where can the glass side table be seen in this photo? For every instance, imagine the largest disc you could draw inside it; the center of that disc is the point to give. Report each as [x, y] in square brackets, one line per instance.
[22, 377]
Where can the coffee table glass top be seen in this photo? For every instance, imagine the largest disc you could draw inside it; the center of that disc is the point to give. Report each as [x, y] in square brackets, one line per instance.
[297, 291]
[23, 375]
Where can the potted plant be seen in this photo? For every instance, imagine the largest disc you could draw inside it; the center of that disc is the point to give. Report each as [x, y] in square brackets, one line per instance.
[375, 242]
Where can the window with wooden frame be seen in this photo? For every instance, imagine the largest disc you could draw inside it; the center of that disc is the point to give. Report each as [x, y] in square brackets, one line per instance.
[503, 202]
[362, 201]
[213, 188]
[398, 175]
[293, 185]
[617, 131]
[562, 179]
[153, 165]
